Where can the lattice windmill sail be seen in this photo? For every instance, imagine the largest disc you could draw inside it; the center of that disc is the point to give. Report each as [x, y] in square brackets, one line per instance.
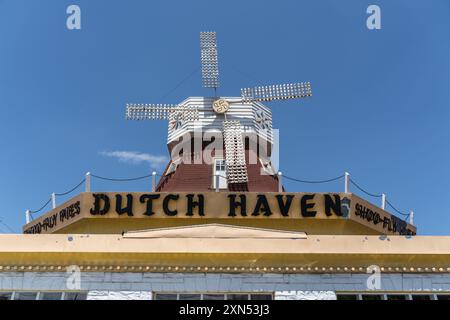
[234, 152]
[231, 127]
[277, 92]
[209, 60]
[176, 114]
[160, 112]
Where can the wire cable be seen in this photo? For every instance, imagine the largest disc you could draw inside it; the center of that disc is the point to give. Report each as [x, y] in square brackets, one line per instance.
[366, 192]
[180, 83]
[244, 75]
[41, 208]
[313, 181]
[396, 210]
[7, 226]
[71, 190]
[122, 180]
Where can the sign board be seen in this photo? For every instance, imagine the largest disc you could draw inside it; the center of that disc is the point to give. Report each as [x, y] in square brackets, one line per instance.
[221, 205]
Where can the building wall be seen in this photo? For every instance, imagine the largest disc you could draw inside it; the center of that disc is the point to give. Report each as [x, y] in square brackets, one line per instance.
[285, 286]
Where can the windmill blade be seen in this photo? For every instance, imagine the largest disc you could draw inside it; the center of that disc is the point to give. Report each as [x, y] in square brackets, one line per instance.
[209, 60]
[234, 152]
[160, 112]
[277, 92]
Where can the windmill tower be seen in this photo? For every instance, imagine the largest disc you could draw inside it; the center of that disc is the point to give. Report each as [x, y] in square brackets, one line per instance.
[239, 127]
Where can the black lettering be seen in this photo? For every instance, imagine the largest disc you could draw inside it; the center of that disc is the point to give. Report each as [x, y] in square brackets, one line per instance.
[376, 218]
[166, 201]
[262, 205]
[77, 207]
[284, 206]
[98, 208]
[234, 205]
[385, 222]
[69, 212]
[357, 209]
[192, 204]
[369, 215]
[333, 205]
[128, 209]
[305, 206]
[148, 198]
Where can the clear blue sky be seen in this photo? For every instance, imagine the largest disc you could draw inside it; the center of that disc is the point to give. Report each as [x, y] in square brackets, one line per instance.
[380, 108]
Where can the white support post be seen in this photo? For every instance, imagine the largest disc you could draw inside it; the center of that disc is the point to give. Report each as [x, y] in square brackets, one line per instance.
[280, 181]
[383, 201]
[347, 182]
[217, 177]
[411, 217]
[154, 181]
[88, 182]
[53, 200]
[27, 216]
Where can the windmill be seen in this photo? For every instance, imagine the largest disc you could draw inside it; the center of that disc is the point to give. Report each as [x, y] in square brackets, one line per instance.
[231, 128]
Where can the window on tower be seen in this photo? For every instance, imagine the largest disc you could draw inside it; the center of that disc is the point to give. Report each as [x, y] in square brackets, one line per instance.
[220, 174]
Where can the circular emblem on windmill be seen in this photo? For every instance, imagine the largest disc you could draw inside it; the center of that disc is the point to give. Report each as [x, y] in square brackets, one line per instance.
[221, 106]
